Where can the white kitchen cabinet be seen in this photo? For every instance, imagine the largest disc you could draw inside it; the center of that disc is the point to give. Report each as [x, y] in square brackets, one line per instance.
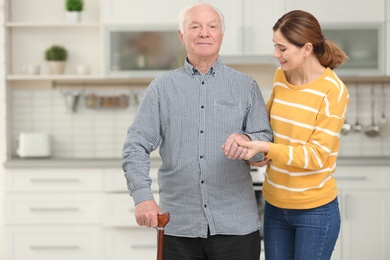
[123, 236]
[130, 243]
[53, 213]
[48, 243]
[346, 11]
[387, 46]
[365, 209]
[149, 12]
[249, 27]
[366, 225]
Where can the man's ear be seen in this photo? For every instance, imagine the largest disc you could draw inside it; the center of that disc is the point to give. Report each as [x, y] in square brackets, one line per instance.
[180, 36]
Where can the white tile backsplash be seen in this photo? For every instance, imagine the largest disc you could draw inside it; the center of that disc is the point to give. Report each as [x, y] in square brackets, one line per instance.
[87, 133]
[358, 143]
[99, 133]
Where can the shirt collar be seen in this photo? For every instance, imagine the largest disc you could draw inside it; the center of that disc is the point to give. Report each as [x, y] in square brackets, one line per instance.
[191, 70]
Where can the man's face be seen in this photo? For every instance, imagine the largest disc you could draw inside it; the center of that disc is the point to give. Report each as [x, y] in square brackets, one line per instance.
[202, 33]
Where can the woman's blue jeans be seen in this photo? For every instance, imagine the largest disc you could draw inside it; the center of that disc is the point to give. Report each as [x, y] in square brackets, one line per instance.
[291, 234]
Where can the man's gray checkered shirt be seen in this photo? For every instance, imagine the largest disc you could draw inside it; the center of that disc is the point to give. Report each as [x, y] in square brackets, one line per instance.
[190, 115]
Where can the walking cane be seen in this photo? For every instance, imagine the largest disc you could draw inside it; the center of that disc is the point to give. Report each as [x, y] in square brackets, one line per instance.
[162, 221]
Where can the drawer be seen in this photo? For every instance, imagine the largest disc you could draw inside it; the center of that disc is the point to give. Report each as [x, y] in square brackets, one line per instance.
[362, 177]
[131, 243]
[48, 243]
[54, 180]
[118, 210]
[52, 208]
[115, 181]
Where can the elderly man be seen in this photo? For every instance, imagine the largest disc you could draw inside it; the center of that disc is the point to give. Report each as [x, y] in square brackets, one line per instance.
[191, 112]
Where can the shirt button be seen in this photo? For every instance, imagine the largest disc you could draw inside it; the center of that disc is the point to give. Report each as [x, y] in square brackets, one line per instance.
[201, 182]
[201, 157]
[202, 82]
[201, 131]
[202, 107]
[205, 205]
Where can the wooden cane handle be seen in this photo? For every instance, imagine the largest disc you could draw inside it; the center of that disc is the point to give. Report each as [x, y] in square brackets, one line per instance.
[162, 219]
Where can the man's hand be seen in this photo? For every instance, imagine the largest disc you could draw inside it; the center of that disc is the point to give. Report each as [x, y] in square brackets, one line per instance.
[146, 213]
[231, 148]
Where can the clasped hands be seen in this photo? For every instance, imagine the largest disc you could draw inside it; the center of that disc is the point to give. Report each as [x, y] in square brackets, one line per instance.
[239, 146]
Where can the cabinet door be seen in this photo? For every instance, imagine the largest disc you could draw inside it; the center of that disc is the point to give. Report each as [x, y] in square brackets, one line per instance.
[365, 225]
[334, 11]
[53, 242]
[50, 208]
[387, 46]
[260, 17]
[233, 12]
[130, 243]
[149, 12]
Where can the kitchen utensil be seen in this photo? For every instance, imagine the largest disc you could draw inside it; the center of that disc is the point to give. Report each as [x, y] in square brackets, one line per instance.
[346, 128]
[357, 127]
[72, 99]
[383, 120]
[373, 129]
[162, 221]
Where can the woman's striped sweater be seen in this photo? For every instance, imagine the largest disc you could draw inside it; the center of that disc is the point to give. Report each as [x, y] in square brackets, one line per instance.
[306, 121]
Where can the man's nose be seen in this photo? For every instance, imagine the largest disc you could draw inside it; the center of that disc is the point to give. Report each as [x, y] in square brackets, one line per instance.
[204, 32]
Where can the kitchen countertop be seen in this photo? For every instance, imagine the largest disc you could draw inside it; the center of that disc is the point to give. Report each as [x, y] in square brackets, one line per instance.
[112, 163]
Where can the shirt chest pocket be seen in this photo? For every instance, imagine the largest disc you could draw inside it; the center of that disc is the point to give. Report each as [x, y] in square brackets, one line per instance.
[228, 116]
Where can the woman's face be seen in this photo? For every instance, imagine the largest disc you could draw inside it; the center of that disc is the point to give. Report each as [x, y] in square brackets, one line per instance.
[289, 55]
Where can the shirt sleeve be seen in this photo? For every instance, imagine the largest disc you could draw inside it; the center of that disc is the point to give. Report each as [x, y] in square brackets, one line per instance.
[142, 138]
[257, 121]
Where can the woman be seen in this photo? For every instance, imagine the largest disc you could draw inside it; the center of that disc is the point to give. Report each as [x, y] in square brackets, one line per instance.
[307, 109]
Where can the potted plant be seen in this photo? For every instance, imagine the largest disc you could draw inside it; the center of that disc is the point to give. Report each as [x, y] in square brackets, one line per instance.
[74, 8]
[56, 55]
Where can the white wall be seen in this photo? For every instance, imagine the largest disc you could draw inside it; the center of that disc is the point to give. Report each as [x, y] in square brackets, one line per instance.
[2, 122]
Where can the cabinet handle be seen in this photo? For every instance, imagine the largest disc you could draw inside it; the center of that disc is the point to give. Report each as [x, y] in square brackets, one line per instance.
[41, 209]
[53, 180]
[248, 40]
[54, 247]
[352, 178]
[240, 39]
[143, 247]
[346, 197]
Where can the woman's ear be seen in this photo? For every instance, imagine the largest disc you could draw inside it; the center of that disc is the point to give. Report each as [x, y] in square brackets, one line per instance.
[308, 49]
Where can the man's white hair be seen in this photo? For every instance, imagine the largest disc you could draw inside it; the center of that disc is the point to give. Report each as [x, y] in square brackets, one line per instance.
[183, 14]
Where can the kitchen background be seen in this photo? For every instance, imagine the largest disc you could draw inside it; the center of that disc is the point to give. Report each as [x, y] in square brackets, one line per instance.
[75, 202]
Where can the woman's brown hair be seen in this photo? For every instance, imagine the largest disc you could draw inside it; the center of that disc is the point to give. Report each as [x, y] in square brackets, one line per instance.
[300, 27]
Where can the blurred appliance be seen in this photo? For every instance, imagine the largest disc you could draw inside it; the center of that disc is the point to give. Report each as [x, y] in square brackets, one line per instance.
[34, 145]
[258, 174]
[142, 50]
[363, 43]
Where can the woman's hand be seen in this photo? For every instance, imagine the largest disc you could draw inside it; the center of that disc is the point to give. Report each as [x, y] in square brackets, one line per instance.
[254, 147]
[260, 163]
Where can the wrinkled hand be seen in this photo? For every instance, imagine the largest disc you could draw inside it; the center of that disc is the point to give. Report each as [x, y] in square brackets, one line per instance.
[231, 148]
[254, 147]
[146, 213]
[260, 163]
